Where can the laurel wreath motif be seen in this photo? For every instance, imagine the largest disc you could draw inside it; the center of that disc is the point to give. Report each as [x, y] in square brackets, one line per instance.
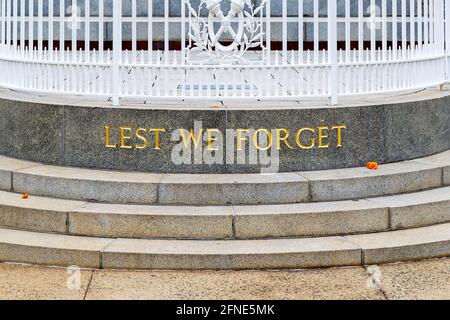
[202, 43]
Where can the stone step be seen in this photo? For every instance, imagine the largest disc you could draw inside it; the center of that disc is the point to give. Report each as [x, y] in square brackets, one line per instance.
[63, 250]
[223, 189]
[403, 211]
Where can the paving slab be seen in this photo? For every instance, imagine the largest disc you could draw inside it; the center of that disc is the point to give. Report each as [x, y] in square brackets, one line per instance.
[25, 282]
[429, 279]
[335, 283]
[423, 280]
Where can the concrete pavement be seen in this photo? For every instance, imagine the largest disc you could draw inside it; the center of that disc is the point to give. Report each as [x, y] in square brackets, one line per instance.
[414, 280]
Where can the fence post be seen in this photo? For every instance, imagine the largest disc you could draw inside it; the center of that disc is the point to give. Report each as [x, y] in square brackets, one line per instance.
[447, 38]
[439, 34]
[332, 51]
[117, 51]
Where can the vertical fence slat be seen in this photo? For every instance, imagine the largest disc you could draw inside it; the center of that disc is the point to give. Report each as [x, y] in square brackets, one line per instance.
[360, 29]
[40, 27]
[22, 25]
[74, 22]
[8, 22]
[133, 28]
[300, 31]
[101, 33]
[419, 25]
[447, 25]
[62, 28]
[3, 22]
[150, 31]
[373, 29]
[404, 31]
[50, 25]
[426, 24]
[316, 31]
[348, 34]
[431, 13]
[117, 48]
[183, 32]
[284, 32]
[384, 38]
[14, 23]
[332, 50]
[166, 31]
[268, 33]
[412, 19]
[394, 29]
[447, 39]
[87, 28]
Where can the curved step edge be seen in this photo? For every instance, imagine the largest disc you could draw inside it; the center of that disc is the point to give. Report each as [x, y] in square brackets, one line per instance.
[242, 222]
[224, 189]
[386, 247]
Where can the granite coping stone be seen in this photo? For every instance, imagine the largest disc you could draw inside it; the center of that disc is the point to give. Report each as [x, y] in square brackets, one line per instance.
[8, 165]
[417, 209]
[135, 221]
[233, 254]
[414, 244]
[224, 189]
[50, 249]
[310, 219]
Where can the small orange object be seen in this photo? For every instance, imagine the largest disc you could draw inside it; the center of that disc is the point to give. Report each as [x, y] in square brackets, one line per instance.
[372, 165]
[25, 196]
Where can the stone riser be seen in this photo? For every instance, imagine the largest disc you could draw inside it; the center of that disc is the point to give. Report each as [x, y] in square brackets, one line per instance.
[238, 189]
[231, 222]
[61, 250]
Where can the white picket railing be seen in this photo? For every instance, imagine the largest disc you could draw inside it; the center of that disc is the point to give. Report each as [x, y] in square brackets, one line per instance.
[227, 49]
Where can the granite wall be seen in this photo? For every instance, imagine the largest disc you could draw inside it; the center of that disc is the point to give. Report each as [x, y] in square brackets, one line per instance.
[75, 136]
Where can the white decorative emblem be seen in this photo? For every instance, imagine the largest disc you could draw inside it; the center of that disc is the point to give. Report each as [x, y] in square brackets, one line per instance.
[241, 29]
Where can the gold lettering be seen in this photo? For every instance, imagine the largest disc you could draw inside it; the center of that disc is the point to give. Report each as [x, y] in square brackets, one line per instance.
[298, 139]
[107, 144]
[339, 134]
[192, 137]
[212, 139]
[323, 134]
[157, 131]
[124, 139]
[256, 139]
[284, 138]
[142, 138]
[240, 138]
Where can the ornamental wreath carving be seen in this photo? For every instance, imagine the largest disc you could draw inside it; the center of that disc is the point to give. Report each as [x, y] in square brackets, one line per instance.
[224, 38]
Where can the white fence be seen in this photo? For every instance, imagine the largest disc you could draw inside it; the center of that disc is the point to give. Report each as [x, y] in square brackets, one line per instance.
[223, 49]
